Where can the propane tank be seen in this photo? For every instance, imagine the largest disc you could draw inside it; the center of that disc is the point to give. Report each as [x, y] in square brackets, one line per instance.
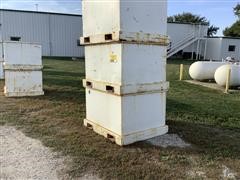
[204, 70]
[222, 72]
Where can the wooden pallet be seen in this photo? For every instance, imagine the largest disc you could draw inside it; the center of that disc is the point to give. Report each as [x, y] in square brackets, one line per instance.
[113, 137]
[126, 37]
[23, 94]
[123, 140]
[120, 90]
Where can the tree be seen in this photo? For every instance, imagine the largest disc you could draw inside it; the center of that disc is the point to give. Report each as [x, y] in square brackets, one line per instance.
[187, 17]
[233, 31]
[212, 30]
[237, 10]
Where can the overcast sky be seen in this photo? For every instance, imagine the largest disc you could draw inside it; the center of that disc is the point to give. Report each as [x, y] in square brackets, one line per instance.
[219, 12]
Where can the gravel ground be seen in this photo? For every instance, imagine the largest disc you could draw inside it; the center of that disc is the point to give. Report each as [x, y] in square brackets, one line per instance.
[24, 158]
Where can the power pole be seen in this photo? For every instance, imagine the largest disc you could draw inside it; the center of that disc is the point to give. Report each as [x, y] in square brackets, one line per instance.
[36, 7]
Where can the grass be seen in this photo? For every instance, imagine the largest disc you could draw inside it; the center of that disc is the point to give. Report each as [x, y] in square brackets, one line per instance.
[208, 119]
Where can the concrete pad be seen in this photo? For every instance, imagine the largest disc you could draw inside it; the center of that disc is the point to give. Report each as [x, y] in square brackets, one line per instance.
[168, 140]
[211, 85]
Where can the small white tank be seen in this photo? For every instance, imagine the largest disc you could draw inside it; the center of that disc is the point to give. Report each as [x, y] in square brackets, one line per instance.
[221, 75]
[204, 70]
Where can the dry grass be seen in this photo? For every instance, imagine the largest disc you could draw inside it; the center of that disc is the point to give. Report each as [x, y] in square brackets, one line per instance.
[207, 119]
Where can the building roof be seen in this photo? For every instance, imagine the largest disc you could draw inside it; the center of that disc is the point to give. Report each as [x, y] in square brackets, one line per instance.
[41, 12]
[188, 23]
[225, 37]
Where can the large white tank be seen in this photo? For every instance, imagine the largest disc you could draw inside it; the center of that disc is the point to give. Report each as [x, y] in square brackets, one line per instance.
[221, 75]
[204, 70]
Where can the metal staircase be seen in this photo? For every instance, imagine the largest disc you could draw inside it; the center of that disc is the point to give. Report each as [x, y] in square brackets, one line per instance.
[187, 41]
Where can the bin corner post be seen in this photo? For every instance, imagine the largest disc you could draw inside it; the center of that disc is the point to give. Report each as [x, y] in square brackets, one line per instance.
[181, 72]
[228, 80]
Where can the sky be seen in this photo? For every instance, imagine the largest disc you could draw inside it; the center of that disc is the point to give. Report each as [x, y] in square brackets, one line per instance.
[219, 12]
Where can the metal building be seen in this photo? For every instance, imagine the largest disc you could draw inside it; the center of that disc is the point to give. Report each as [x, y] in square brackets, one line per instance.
[222, 47]
[188, 38]
[192, 39]
[57, 33]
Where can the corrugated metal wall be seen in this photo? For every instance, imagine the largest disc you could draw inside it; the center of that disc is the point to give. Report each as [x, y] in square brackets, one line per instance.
[218, 48]
[58, 34]
[214, 49]
[225, 48]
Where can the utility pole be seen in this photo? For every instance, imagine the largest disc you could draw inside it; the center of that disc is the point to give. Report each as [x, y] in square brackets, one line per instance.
[36, 7]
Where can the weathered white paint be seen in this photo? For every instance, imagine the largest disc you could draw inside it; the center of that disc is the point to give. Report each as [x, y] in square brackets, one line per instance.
[1, 70]
[126, 80]
[130, 118]
[23, 83]
[126, 64]
[125, 89]
[57, 33]
[204, 70]
[22, 69]
[1, 62]
[222, 72]
[120, 36]
[103, 17]
[19, 53]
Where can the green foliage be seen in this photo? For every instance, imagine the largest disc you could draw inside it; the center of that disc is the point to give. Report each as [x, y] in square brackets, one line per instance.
[187, 17]
[233, 31]
[212, 30]
[237, 10]
[205, 118]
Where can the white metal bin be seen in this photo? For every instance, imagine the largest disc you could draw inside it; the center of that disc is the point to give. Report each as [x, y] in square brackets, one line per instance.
[1, 61]
[126, 119]
[22, 53]
[125, 64]
[23, 81]
[23, 69]
[102, 17]
[126, 51]
[1, 70]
